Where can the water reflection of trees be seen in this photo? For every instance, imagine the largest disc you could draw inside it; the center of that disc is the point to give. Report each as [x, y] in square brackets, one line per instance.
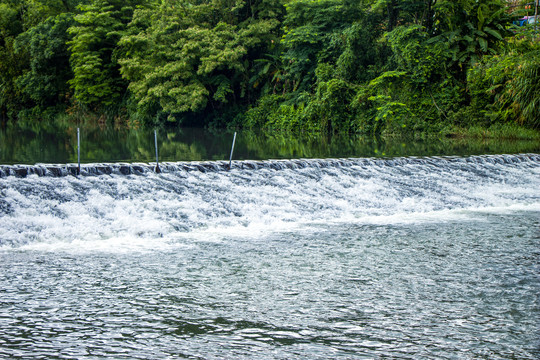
[284, 145]
[57, 143]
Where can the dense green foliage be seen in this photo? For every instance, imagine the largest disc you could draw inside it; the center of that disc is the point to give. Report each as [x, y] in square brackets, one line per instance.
[362, 66]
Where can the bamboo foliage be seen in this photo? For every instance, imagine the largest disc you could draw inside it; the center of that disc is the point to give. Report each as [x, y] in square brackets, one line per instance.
[321, 65]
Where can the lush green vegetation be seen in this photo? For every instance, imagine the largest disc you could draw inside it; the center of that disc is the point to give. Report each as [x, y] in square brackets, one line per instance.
[360, 66]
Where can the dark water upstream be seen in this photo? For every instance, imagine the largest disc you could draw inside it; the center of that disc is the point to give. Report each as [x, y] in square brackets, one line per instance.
[403, 258]
[56, 143]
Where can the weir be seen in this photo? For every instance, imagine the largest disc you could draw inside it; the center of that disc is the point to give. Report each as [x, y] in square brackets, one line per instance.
[59, 170]
[130, 201]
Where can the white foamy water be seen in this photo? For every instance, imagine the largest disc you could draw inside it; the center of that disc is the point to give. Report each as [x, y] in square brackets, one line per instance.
[190, 202]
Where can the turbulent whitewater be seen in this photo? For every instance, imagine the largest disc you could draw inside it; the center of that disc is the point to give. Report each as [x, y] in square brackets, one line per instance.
[253, 196]
[413, 257]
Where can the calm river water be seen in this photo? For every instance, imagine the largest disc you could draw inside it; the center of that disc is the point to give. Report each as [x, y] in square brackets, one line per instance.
[359, 258]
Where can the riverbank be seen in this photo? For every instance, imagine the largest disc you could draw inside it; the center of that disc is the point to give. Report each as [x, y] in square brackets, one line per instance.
[504, 132]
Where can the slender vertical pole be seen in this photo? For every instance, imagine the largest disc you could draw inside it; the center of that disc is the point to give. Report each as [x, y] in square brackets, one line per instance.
[232, 149]
[78, 151]
[157, 169]
[536, 14]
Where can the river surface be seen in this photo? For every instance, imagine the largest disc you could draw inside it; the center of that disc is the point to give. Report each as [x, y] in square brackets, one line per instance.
[44, 142]
[362, 258]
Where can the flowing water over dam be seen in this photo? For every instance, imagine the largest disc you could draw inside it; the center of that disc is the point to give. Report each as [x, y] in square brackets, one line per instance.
[407, 258]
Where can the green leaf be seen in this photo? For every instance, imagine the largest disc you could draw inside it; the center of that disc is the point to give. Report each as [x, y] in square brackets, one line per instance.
[483, 44]
[494, 33]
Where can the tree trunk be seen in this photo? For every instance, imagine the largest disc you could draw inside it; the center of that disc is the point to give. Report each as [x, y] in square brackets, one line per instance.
[536, 15]
[393, 14]
[66, 5]
[427, 20]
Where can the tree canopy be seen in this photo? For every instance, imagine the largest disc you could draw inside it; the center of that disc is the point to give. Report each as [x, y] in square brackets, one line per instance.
[365, 66]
